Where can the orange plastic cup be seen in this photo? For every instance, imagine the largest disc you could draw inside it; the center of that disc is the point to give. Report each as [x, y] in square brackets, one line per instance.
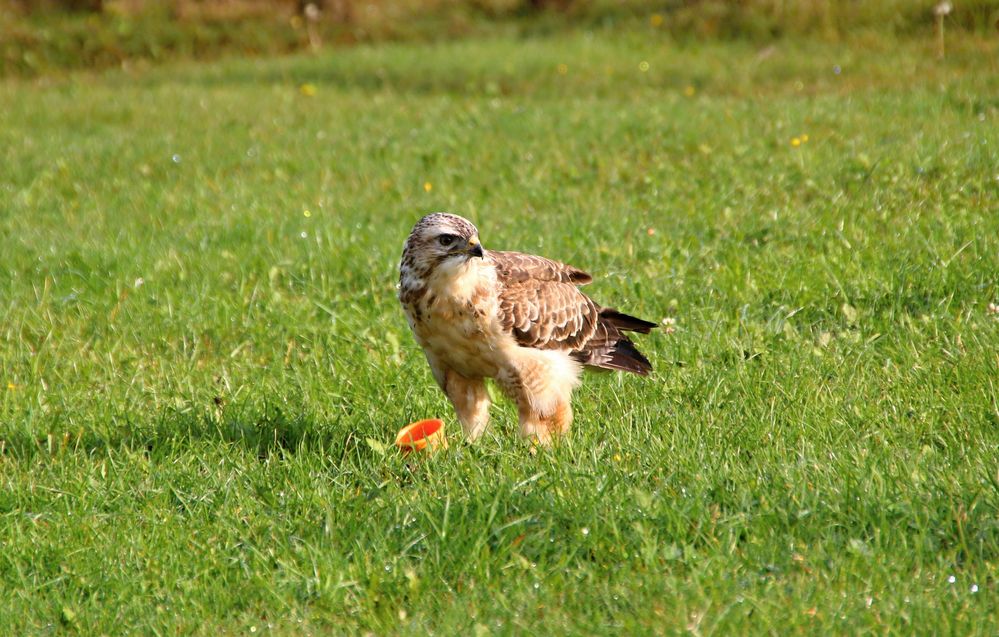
[422, 435]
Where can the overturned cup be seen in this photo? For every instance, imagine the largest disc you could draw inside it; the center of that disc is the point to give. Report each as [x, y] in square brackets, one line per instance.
[422, 435]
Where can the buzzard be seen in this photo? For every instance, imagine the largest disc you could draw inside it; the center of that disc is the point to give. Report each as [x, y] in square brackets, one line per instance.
[516, 318]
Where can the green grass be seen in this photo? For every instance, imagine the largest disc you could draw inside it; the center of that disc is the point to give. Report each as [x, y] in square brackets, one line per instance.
[197, 378]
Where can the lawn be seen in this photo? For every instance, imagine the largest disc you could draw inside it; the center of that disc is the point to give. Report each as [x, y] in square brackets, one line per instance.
[203, 363]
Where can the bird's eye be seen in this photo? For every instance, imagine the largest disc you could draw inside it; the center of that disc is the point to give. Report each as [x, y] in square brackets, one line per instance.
[446, 239]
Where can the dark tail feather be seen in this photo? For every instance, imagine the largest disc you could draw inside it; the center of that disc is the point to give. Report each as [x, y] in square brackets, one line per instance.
[626, 323]
[611, 349]
[627, 358]
[622, 356]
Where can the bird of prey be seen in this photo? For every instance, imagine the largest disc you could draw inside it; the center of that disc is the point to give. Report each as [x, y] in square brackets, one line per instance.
[516, 318]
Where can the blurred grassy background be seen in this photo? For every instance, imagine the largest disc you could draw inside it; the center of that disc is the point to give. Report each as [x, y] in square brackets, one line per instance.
[43, 36]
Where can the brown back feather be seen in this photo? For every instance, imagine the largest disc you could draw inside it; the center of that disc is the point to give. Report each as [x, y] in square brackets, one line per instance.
[542, 307]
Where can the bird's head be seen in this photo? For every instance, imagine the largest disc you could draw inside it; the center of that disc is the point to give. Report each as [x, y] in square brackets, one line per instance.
[441, 238]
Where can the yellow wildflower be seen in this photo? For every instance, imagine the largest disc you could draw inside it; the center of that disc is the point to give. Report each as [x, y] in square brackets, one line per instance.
[795, 141]
[689, 91]
[427, 186]
[656, 20]
[307, 90]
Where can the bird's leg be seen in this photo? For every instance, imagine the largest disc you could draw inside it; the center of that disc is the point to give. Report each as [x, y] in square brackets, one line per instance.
[471, 402]
[560, 420]
[542, 387]
[544, 428]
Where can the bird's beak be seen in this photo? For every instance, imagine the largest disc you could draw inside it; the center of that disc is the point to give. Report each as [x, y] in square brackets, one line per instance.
[474, 247]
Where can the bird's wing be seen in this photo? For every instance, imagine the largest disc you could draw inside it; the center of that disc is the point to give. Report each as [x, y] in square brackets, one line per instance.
[516, 267]
[540, 304]
[542, 307]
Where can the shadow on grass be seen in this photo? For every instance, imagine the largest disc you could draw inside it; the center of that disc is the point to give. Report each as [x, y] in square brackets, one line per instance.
[272, 432]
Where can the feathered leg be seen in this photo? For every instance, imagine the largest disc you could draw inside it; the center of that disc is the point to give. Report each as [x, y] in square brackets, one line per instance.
[541, 383]
[545, 428]
[471, 402]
